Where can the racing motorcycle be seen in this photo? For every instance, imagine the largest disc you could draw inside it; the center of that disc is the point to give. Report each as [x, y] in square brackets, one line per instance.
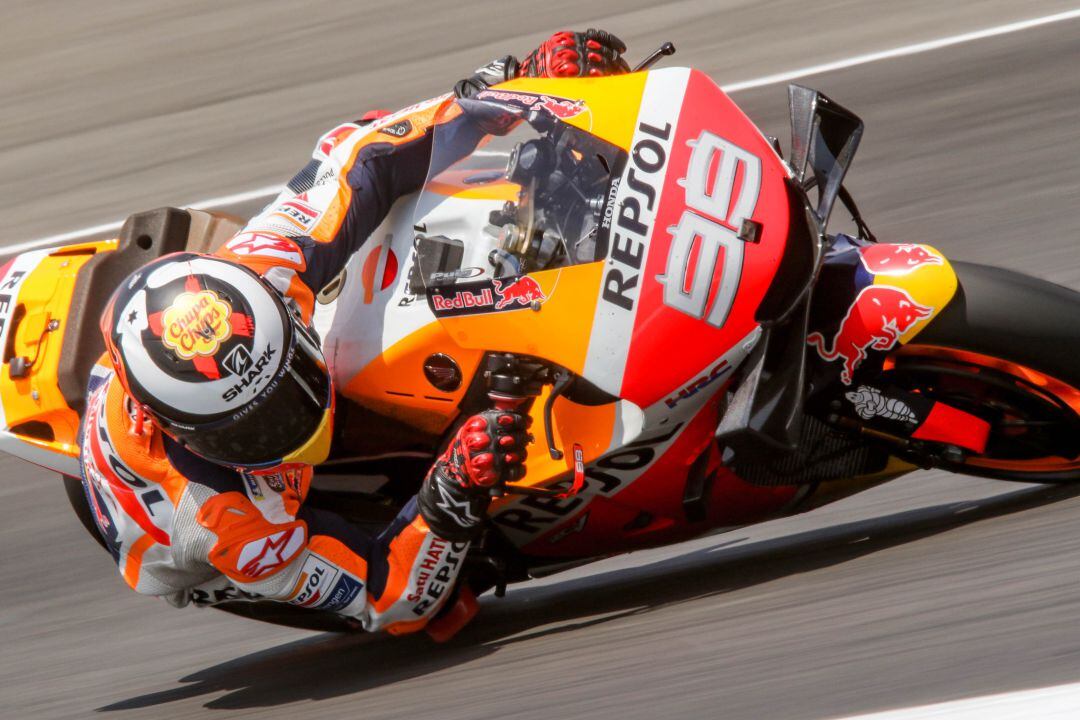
[633, 263]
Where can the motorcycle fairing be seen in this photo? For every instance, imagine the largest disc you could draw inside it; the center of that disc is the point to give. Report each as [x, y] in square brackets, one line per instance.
[873, 297]
[677, 259]
[668, 484]
[715, 242]
[36, 423]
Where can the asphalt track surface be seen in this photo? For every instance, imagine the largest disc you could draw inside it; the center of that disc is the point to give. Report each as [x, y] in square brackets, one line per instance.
[932, 588]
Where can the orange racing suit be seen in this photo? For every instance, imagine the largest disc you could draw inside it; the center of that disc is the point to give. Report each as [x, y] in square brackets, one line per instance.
[190, 530]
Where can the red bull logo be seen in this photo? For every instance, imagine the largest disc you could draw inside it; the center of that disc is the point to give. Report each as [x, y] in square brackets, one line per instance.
[522, 291]
[562, 109]
[897, 258]
[485, 296]
[876, 320]
[557, 106]
[462, 300]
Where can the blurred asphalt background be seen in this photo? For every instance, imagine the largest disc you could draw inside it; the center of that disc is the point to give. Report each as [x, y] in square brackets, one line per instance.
[933, 588]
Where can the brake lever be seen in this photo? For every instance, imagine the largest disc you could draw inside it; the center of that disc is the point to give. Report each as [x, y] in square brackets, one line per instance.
[664, 50]
[559, 387]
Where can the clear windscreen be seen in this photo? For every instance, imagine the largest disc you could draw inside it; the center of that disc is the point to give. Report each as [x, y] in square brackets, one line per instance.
[512, 190]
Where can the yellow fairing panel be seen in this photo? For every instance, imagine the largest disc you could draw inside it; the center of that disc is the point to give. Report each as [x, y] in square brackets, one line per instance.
[43, 297]
[610, 104]
[592, 427]
[559, 330]
[932, 285]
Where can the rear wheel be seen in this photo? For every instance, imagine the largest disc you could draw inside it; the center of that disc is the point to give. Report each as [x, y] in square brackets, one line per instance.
[1007, 349]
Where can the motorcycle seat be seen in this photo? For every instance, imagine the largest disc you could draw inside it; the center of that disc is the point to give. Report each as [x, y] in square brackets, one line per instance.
[143, 237]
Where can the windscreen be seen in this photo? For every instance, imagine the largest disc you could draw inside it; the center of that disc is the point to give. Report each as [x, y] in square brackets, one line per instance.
[512, 190]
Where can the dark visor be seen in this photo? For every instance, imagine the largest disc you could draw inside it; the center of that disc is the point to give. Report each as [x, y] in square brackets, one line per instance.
[275, 424]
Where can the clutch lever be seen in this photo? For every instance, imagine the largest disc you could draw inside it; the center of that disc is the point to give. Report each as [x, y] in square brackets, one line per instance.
[664, 50]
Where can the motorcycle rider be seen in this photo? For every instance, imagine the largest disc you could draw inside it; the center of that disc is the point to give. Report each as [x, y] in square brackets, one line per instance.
[214, 402]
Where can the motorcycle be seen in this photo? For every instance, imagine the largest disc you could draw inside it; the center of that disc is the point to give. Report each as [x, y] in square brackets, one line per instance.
[633, 263]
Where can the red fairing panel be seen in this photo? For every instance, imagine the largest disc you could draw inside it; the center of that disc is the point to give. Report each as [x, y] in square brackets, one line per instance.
[634, 496]
[702, 284]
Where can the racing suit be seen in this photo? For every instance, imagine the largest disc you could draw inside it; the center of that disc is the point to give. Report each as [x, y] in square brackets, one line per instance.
[187, 529]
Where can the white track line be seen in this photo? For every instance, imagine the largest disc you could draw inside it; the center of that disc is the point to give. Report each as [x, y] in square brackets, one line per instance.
[210, 203]
[905, 50]
[1053, 703]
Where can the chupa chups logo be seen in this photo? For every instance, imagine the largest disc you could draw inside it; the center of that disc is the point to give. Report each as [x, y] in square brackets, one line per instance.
[561, 108]
[196, 324]
[485, 296]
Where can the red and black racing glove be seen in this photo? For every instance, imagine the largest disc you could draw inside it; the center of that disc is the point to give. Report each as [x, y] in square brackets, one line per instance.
[573, 54]
[488, 450]
[564, 54]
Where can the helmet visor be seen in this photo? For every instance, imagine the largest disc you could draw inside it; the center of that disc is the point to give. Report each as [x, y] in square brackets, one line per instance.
[282, 420]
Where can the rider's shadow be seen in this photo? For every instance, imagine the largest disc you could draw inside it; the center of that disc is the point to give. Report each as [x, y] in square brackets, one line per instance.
[330, 665]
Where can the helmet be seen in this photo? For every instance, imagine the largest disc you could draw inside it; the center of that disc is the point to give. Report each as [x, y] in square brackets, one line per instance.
[212, 353]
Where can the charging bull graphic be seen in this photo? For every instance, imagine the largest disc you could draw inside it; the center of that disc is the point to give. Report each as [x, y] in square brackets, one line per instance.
[522, 291]
[897, 259]
[561, 108]
[877, 319]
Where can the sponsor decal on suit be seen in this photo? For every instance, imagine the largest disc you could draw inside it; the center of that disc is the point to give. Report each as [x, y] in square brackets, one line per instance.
[266, 555]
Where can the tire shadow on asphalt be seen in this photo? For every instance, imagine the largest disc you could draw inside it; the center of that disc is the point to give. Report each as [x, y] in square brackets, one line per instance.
[332, 665]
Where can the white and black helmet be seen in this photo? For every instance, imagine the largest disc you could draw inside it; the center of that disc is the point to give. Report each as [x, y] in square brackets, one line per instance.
[214, 355]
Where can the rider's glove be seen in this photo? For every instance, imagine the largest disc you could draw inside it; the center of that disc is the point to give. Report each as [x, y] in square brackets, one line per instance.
[573, 54]
[488, 450]
[495, 72]
[564, 54]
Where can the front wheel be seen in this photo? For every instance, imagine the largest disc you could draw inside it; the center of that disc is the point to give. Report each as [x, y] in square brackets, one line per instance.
[1007, 349]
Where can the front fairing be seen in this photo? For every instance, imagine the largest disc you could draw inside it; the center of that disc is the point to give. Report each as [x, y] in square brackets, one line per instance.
[660, 268]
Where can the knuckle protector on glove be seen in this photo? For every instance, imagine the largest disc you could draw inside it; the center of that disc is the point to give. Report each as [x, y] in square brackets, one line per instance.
[572, 54]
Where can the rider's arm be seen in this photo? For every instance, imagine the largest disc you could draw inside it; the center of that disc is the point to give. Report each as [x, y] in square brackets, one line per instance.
[268, 543]
[394, 580]
[173, 522]
[305, 236]
[357, 171]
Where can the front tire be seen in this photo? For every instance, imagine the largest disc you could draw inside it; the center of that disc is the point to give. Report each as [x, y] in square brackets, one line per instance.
[1007, 349]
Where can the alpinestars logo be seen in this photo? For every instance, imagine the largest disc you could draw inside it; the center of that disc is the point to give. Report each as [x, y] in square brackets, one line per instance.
[265, 555]
[459, 511]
